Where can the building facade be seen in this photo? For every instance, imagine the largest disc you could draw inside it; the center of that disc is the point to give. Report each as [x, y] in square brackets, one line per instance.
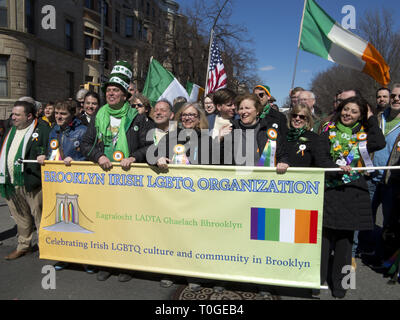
[39, 62]
[49, 48]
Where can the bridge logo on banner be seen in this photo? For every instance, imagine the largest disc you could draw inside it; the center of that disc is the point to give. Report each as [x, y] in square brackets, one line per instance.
[67, 213]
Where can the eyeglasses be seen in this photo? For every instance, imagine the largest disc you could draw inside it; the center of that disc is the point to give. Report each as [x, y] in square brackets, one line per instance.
[261, 94]
[189, 115]
[393, 96]
[301, 116]
[135, 105]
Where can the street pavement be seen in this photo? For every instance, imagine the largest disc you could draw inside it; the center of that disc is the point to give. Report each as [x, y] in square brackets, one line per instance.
[21, 279]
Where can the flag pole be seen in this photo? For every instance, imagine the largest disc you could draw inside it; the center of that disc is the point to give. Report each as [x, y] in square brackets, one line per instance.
[208, 63]
[211, 41]
[298, 44]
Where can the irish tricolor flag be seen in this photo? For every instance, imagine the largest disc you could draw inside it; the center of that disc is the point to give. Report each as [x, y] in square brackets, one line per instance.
[161, 84]
[194, 91]
[323, 36]
[284, 225]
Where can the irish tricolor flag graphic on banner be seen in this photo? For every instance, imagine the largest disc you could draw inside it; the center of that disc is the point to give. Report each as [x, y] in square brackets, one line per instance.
[284, 225]
[322, 36]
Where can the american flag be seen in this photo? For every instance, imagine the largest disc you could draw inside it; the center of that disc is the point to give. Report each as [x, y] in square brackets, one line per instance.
[216, 70]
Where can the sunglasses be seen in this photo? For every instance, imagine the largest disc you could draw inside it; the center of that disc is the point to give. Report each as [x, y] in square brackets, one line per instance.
[261, 94]
[302, 117]
[393, 96]
[135, 105]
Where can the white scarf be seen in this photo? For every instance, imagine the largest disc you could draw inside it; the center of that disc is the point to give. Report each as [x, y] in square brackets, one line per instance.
[3, 153]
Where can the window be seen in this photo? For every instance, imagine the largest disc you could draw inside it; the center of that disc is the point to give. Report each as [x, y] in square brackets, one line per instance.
[3, 76]
[117, 54]
[3, 13]
[70, 85]
[89, 4]
[144, 34]
[89, 44]
[129, 27]
[117, 21]
[140, 30]
[30, 79]
[106, 14]
[106, 58]
[30, 16]
[69, 39]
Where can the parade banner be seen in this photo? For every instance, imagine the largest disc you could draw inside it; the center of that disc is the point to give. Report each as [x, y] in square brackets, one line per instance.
[239, 224]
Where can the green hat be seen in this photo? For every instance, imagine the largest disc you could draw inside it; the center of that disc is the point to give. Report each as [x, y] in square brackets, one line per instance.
[265, 88]
[121, 76]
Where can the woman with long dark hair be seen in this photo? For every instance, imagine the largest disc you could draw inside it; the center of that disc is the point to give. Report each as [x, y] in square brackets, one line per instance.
[352, 136]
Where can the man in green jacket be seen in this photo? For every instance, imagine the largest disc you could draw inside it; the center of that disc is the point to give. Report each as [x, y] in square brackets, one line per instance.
[20, 183]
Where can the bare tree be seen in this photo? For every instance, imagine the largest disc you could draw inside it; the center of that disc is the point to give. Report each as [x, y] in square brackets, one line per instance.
[188, 55]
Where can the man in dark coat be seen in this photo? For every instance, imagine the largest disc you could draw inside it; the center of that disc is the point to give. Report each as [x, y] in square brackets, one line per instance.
[20, 183]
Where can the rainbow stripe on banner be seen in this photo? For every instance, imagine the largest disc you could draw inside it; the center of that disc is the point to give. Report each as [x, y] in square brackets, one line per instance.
[284, 225]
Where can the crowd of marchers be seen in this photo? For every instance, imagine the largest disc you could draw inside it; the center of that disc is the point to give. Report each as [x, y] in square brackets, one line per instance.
[241, 130]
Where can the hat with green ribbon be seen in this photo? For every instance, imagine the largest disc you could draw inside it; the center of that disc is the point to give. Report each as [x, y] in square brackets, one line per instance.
[265, 88]
[120, 76]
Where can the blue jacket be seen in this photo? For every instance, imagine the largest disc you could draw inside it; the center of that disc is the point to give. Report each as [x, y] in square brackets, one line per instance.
[381, 157]
[70, 139]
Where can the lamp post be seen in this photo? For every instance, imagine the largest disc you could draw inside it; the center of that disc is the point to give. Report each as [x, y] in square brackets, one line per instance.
[102, 42]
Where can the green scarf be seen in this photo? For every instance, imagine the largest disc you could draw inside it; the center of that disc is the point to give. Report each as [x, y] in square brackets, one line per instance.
[266, 111]
[102, 124]
[344, 146]
[8, 189]
[343, 136]
[294, 134]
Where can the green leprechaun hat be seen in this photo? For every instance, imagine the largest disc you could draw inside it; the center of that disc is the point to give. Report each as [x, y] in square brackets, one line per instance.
[120, 76]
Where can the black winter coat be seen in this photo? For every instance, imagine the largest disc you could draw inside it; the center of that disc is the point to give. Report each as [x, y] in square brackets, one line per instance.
[198, 153]
[93, 149]
[280, 119]
[348, 206]
[269, 122]
[315, 152]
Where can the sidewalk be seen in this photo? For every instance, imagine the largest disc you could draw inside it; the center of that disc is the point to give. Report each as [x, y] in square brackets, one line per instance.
[22, 279]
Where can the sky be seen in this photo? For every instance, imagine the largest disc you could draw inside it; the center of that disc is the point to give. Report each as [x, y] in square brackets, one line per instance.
[274, 27]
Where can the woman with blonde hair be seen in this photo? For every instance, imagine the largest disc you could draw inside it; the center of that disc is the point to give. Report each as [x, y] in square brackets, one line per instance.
[200, 121]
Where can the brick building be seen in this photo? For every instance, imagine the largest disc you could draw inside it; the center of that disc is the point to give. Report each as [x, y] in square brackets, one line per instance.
[44, 43]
